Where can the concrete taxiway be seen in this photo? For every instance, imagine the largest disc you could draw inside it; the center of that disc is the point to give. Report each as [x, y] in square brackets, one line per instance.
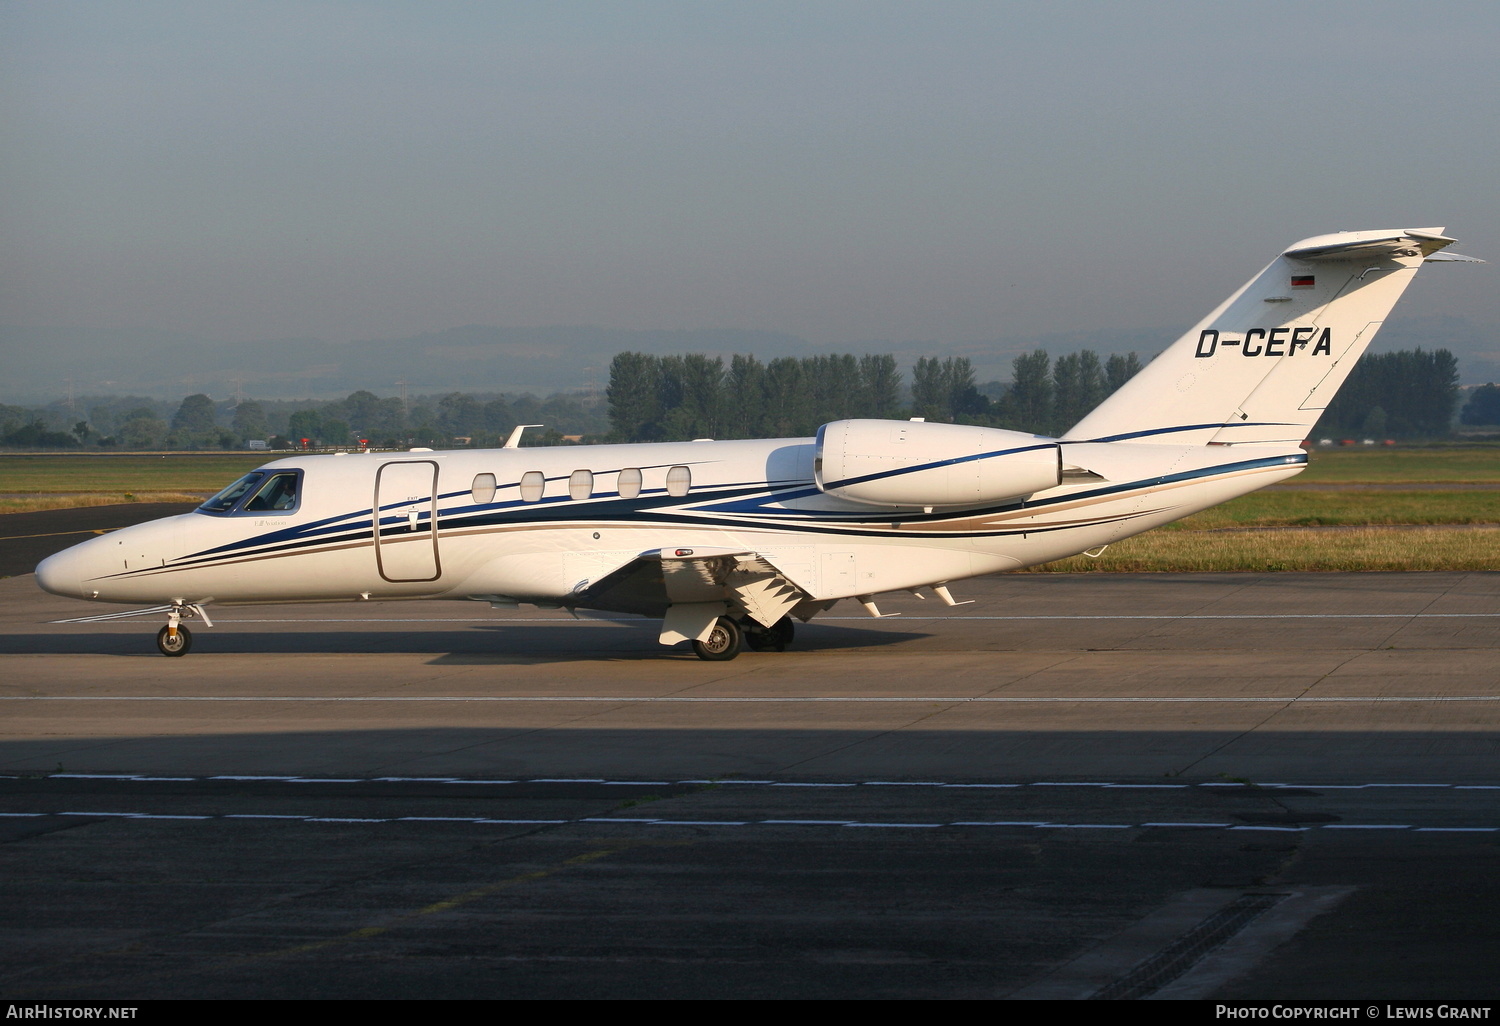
[1044, 794]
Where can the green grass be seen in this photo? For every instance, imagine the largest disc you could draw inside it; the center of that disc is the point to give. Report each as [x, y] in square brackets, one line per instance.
[192, 473]
[1352, 549]
[1327, 509]
[37, 503]
[1446, 464]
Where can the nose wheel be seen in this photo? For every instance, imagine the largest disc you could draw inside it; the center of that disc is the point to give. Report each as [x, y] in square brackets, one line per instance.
[174, 641]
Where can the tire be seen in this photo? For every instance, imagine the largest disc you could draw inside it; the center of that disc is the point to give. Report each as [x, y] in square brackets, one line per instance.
[723, 642]
[183, 643]
[774, 638]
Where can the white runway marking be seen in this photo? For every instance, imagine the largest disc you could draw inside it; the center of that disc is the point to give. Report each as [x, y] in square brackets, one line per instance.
[727, 781]
[586, 620]
[1207, 616]
[638, 821]
[777, 700]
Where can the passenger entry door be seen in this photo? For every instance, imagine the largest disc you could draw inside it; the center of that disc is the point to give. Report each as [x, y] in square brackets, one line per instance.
[406, 536]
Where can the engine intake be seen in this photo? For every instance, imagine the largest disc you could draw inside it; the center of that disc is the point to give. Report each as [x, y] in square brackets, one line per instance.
[908, 463]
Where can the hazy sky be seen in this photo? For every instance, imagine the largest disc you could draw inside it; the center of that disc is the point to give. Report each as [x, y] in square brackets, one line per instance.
[843, 171]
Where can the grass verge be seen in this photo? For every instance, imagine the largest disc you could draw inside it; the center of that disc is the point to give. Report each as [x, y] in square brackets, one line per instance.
[1344, 509]
[1294, 549]
[139, 474]
[36, 503]
[1458, 464]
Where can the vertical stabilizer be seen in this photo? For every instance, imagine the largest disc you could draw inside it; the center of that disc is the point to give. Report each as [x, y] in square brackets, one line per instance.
[1262, 367]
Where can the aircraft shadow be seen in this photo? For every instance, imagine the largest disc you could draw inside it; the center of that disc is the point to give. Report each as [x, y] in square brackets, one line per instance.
[481, 644]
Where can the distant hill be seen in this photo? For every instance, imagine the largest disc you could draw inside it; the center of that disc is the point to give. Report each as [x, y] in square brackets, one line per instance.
[39, 362]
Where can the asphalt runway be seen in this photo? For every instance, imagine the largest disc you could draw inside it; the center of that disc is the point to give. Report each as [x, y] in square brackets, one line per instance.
[1229, 786]
[28, 538]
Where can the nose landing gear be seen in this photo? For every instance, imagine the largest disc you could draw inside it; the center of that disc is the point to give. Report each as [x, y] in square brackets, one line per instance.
[175, 639]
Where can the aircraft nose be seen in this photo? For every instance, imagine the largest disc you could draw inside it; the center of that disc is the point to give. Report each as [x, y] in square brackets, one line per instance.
[61, 574]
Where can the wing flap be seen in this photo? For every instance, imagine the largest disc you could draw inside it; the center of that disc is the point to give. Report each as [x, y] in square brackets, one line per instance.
[739, 582]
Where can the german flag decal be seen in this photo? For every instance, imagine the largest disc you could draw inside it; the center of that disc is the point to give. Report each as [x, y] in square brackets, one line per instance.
[1302, 281]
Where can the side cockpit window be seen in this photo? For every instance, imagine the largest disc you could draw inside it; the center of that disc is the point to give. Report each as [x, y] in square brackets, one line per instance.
[277, 495]
[259, 492]
[229, 497]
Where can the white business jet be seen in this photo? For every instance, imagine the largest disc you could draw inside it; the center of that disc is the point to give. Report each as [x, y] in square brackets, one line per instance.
[730, 541]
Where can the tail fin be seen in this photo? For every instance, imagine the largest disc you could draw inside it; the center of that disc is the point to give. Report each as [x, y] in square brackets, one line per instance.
[1262, 367]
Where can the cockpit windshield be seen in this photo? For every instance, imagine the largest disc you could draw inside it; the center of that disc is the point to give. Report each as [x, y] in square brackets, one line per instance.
[257, 492]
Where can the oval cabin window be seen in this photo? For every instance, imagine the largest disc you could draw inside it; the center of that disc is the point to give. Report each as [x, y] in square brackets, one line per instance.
[483, 491]
[629, 485]
[581, 484]
[679, 480]
[532, 486]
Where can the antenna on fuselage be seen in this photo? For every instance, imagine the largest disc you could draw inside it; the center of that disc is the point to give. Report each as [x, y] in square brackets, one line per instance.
[514, 441]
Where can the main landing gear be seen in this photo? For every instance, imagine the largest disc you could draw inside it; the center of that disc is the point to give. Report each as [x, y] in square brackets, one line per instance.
[722, 643]
[728, 635]
[774, 638]
[175, 639]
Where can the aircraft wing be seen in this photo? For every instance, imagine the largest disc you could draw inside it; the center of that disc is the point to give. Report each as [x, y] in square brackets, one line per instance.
[746, 582]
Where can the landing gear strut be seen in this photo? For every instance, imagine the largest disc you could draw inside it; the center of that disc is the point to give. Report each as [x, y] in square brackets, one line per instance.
[722, 643]
[175, 639]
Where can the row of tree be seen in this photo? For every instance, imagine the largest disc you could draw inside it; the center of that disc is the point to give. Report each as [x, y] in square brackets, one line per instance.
[1411, 393]
[1406, 394]
[1483, 407]
[663, 398]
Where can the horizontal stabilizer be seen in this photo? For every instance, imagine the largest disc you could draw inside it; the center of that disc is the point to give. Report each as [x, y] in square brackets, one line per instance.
[1404, 242]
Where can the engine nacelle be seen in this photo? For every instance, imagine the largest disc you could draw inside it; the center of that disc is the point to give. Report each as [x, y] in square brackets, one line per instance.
[908, 463]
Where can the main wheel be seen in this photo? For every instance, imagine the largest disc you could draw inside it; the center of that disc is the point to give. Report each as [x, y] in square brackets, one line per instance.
[757, 638]
[723, 642]
[773, 638]
[174, 646]
[782, 633]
